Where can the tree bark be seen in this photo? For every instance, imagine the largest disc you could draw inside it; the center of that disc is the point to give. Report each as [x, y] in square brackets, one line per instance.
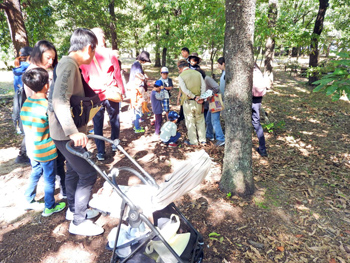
[112, 26]
[157, 60]
[270, 42]
[164, 57]
[313, 60]
[237, 176]
[16, 24]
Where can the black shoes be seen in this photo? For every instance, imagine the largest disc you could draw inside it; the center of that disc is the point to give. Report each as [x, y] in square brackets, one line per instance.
[262, 153]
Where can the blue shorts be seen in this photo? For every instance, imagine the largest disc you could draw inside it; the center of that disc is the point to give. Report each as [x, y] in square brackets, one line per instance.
[165, 104]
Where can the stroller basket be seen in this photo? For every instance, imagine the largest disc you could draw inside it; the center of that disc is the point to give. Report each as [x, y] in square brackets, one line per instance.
[162, 208]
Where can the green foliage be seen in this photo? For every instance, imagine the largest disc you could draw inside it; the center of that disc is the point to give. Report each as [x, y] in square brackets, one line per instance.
[271, 127]
[337, 82]
[216, 236]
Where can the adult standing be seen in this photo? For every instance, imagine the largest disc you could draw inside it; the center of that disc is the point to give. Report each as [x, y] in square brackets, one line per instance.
[136, 67]
[185, 52]
[258, 91]
[212, 119]
[192, 86]
[102, 73]
[44, 55]
[80, 176]
[221, 66]
[21, 65]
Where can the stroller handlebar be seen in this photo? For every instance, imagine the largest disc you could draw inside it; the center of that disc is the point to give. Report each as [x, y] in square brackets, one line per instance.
[87, 155]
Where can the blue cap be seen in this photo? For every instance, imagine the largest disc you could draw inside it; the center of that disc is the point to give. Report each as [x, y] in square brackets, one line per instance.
[158, 83]
[173, 115]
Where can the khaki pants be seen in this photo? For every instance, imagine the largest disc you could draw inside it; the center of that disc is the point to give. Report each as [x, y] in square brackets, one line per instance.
[194, 119]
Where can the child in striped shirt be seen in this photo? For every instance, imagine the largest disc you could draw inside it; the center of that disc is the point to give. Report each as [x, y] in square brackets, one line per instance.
[41, 150]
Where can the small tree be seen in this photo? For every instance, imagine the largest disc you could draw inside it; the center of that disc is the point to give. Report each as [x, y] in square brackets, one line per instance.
[313, 62]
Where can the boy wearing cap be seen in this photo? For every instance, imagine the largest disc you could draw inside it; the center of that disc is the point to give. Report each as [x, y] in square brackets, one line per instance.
[168, 132]
[168, 85]
[156, 100]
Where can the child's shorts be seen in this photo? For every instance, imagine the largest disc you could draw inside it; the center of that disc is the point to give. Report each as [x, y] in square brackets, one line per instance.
[165, 104]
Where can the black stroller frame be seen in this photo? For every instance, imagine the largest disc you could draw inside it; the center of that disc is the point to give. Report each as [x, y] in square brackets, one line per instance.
[135, 215]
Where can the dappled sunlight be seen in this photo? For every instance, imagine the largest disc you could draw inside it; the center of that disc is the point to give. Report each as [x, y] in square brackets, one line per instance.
[303, 147]
[219, 210]
[304, 90]
[70, 250]
[314, 121]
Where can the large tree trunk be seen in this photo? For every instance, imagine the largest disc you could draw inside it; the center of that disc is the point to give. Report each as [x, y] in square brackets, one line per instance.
[112, 26]
[270, 42]
[313, 62]
[15, 21]
[237, 176]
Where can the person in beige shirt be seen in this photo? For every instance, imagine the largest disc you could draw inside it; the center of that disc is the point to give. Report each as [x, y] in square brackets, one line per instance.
[80, 176]
[192, 86]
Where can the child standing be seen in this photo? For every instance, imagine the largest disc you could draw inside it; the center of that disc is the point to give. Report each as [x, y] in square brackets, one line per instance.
[167, 85]
[137, 100]
[168, 133]
[156, 100]
[41, 149]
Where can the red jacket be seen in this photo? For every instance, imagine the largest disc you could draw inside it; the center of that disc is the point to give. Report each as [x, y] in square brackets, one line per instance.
[109, 64]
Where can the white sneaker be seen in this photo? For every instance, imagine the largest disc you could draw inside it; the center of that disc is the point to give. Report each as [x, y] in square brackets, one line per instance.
[36, 206]
[90, 213]
[86, 228]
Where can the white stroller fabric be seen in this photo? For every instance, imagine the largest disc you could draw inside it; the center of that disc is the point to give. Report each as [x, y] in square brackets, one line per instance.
[187, 176]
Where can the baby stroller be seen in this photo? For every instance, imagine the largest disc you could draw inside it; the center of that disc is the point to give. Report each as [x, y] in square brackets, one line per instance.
[153, 202]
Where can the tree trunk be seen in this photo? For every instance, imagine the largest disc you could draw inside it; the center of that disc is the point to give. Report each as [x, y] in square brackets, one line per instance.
[313, 60]
[136, 36]
[157, 60]
[16, 24]
[212, 56]
[164, 57]
[237, 176]
[270, 42]
[112, 27]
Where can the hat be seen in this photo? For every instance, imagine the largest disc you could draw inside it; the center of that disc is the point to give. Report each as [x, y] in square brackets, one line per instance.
[144, 56]
[25, 51]
[164, 70]
[194, 55]
[173, 115]
[158, 83]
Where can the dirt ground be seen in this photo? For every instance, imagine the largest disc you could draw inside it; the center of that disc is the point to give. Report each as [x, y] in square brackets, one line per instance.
[299, 212]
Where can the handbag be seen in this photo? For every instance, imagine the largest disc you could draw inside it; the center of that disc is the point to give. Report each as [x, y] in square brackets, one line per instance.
[83, 109]
[111, 92]
[215, 103]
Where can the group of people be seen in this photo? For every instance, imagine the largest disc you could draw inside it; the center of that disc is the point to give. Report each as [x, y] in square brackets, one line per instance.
[48, 124]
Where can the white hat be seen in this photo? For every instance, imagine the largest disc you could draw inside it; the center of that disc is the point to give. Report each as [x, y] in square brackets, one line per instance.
[164, 70]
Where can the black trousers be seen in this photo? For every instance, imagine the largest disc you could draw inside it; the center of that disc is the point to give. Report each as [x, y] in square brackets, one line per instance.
[80, 178]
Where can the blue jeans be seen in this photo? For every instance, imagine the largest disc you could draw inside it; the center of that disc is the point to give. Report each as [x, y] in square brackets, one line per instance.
[174, 139]
[213, 124]
[256, 122]
[47, 169]
[113, 113]
[138, 115]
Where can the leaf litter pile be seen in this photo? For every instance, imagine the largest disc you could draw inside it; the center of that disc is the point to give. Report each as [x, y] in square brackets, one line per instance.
[300, 211]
